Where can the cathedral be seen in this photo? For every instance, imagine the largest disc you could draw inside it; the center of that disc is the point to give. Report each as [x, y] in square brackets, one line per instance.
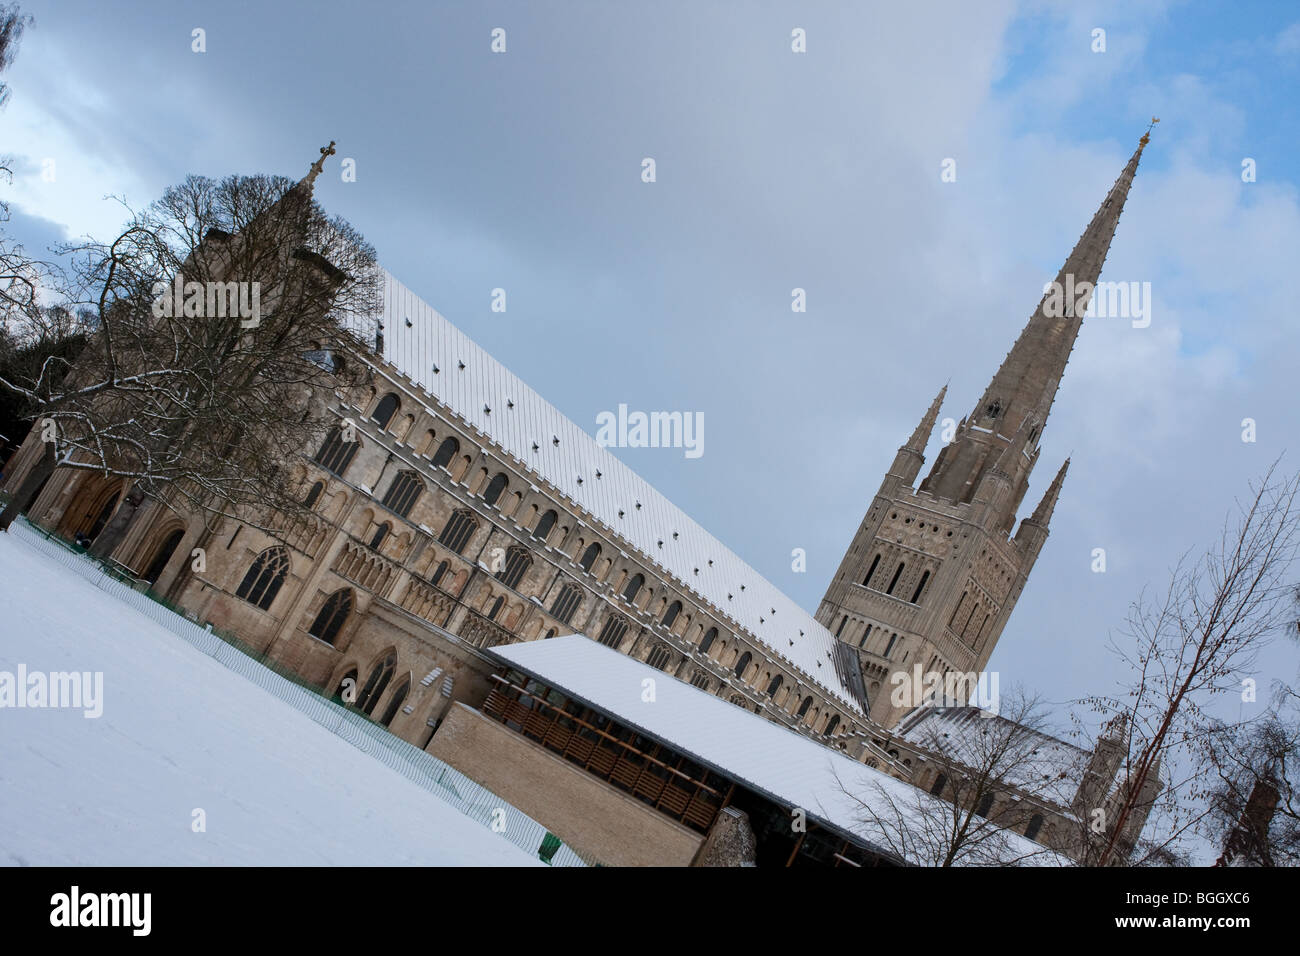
[454, 512]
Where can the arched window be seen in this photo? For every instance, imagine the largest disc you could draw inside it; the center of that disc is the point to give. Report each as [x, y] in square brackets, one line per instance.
[707, 641]
[313, 496]
[890, 646]
[743, 663]
[871, 570]
[916, 595]
[163, 555]
[670, 615]
[567, 603]
[438, 572]
[611, 635]
[773, 687]
[336, 454]
[545, 525]
[496, 608]
[897, 574]
[700, 680]
[380, 675]
[385, 410]
[803, 708]
[403, 492]
[633, 588]
[1035, 825]
[333, 613]
[840, 630]
[550, 632]
[862, 641]
[459, 529]
[380, 534]
[957, 610]
[495, 488]
[445, 453]
[940, 782]
[264, 577]
[830, 727]
[589, 557]
[985, 804]
[659, 658]
[395, 702]
[517, 564]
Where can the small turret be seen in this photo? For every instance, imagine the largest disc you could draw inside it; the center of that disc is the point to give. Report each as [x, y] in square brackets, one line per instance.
[1104, 763]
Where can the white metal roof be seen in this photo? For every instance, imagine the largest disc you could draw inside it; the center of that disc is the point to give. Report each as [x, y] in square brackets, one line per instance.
[418, 340]
[1049, 768]
[789, 768]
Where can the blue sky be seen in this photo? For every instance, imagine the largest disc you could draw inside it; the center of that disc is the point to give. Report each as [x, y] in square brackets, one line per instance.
[775, 170]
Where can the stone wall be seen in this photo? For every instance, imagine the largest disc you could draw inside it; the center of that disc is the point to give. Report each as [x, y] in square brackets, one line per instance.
[601, 824]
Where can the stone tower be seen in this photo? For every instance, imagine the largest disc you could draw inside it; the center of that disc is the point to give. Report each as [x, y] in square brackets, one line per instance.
[933, 572]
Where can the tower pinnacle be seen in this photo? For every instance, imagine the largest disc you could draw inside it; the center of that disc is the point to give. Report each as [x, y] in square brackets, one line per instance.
[922, 434]
[1043, 513]
[910, 457]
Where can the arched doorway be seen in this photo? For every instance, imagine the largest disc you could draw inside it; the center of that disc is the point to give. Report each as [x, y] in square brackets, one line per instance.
[91, 509]
[164, 554]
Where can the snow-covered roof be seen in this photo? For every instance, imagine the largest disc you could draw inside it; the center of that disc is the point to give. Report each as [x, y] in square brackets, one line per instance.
[445, 362]
[788, 768]
[1049, 768]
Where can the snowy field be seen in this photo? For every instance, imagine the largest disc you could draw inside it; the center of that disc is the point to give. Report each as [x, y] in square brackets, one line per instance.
[180, 733]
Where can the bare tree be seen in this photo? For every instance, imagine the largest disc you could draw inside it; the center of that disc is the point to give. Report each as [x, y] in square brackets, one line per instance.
[1255, 803]
[20, 276]
[989, 771]
[225, 317]
[1196, 641]
[12, 25]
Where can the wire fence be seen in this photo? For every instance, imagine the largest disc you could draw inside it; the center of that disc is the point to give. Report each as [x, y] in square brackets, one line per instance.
[438, 778]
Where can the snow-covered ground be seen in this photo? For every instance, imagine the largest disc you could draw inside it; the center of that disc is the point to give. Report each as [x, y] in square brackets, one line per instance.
[180, 733]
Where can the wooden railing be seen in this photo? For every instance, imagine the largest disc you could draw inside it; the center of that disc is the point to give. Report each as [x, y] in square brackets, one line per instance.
[666, 788]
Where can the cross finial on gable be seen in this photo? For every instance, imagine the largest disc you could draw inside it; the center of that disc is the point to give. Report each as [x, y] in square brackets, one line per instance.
[317, 166]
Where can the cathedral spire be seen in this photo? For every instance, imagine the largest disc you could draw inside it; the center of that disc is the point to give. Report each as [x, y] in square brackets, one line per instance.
[1031, 373]
[932, 574]
[1026, 383]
